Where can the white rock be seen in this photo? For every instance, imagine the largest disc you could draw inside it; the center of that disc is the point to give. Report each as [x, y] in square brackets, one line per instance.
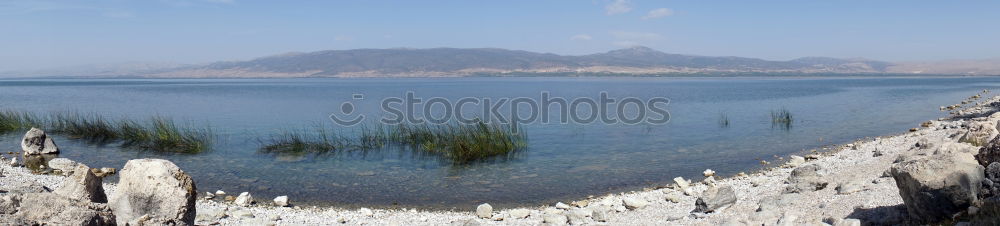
[563, 206]
[83, 185]
[209, 195]
[220, 193]
[35, 142]
[366, 212]
[281, 201]
[708, 173]
[795, 160]
[64, 164]
[245, 199]
[673, 198]
[519, 213]
[634, 203]
[484, 211]
[156, 189]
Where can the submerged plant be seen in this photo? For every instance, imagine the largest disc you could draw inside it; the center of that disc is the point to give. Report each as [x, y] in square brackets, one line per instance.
[782, 118]
[723, 120]
[159, 134]
[459, 143]
[11, 121]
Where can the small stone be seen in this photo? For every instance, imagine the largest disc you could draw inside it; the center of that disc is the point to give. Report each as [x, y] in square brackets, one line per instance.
[484, 211]
[741, 174]
[245, 199]
[341, 220]
[519, 213]
[562, 206]
[795, 161]
[634, 203]
[600, 214]
[281, 201]
[220, 193]
[242, 213]
[209, 195]
[849, 187]
[708, 173]
[581, 203]
[673, 198]
[366, 212]
[229, 198]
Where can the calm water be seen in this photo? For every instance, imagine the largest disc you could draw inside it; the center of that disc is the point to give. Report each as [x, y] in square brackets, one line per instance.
[563, 162]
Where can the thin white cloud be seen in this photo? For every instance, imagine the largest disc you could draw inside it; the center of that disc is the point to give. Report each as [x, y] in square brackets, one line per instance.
[657, 13]
[581, 37]
[222, 1]
[629, 35]
[618, 7]
[625, 44]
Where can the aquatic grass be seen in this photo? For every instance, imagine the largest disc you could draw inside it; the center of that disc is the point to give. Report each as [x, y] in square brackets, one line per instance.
[723, 120]
[11, 121]
[158, 134]
[297, 142]
[458, 143]
[782, 118]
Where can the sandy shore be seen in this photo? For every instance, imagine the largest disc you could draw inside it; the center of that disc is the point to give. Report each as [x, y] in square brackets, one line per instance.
[861, 163]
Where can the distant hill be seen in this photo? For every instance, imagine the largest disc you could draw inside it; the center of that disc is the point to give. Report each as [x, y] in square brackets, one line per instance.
[455, 62]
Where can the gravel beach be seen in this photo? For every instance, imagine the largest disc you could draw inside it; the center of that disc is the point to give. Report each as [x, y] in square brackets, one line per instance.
[857, 188]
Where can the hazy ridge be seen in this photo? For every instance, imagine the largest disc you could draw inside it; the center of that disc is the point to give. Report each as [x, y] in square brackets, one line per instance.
[458, 62]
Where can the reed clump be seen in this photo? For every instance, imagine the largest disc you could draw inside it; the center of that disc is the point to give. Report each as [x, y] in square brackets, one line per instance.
[459, 143]
[782, 118]
[158, 134]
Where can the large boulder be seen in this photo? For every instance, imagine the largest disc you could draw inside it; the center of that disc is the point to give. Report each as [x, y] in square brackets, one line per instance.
[36, 142]
[154, 191]
[83, 185]
[52, 209]
[806, 178]
[936, 186]
[989, 153]
[715, 199]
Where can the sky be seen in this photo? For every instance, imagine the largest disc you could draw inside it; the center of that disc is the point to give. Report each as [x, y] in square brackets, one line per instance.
[37, 34]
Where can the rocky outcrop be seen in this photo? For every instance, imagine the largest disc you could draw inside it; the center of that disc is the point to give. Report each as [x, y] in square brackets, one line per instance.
[52, 209]
[154, 191]
[715, 199]
[805, 178]
[938, 185]
[83, 185]
[35, 142]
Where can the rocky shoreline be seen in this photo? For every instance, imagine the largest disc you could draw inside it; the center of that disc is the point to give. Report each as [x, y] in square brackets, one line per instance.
[940, 173]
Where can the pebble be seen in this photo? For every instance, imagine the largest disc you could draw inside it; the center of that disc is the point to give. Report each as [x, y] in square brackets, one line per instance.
[519, 213]
[673, 198]
[484, 211]
[562, 206]
[708, 173]
[634, 203]
[366, 212]
[281, 201]
[554, 219]
[220, 193]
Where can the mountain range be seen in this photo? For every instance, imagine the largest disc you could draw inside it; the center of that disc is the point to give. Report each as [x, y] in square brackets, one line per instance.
[456, 62]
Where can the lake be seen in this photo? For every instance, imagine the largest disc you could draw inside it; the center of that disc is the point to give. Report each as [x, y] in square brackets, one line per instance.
[562, 161]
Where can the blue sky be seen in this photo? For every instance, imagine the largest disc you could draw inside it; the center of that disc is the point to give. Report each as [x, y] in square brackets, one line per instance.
[41, 33]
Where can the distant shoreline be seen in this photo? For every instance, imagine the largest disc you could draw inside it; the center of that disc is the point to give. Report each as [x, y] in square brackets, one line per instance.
[552, 75]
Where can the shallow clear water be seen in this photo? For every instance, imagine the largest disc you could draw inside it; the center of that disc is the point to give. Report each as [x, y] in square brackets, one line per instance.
[563, 161]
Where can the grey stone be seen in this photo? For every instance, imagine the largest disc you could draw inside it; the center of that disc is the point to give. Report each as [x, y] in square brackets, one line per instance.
[36, 142]
[209, 216]
[601, 213]
[83, 185]
[715, 199]
[53, 209]
[849, 187]
[154, 188]
[64, 164]
[805, 178]
[935, 187]
[634, 203]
